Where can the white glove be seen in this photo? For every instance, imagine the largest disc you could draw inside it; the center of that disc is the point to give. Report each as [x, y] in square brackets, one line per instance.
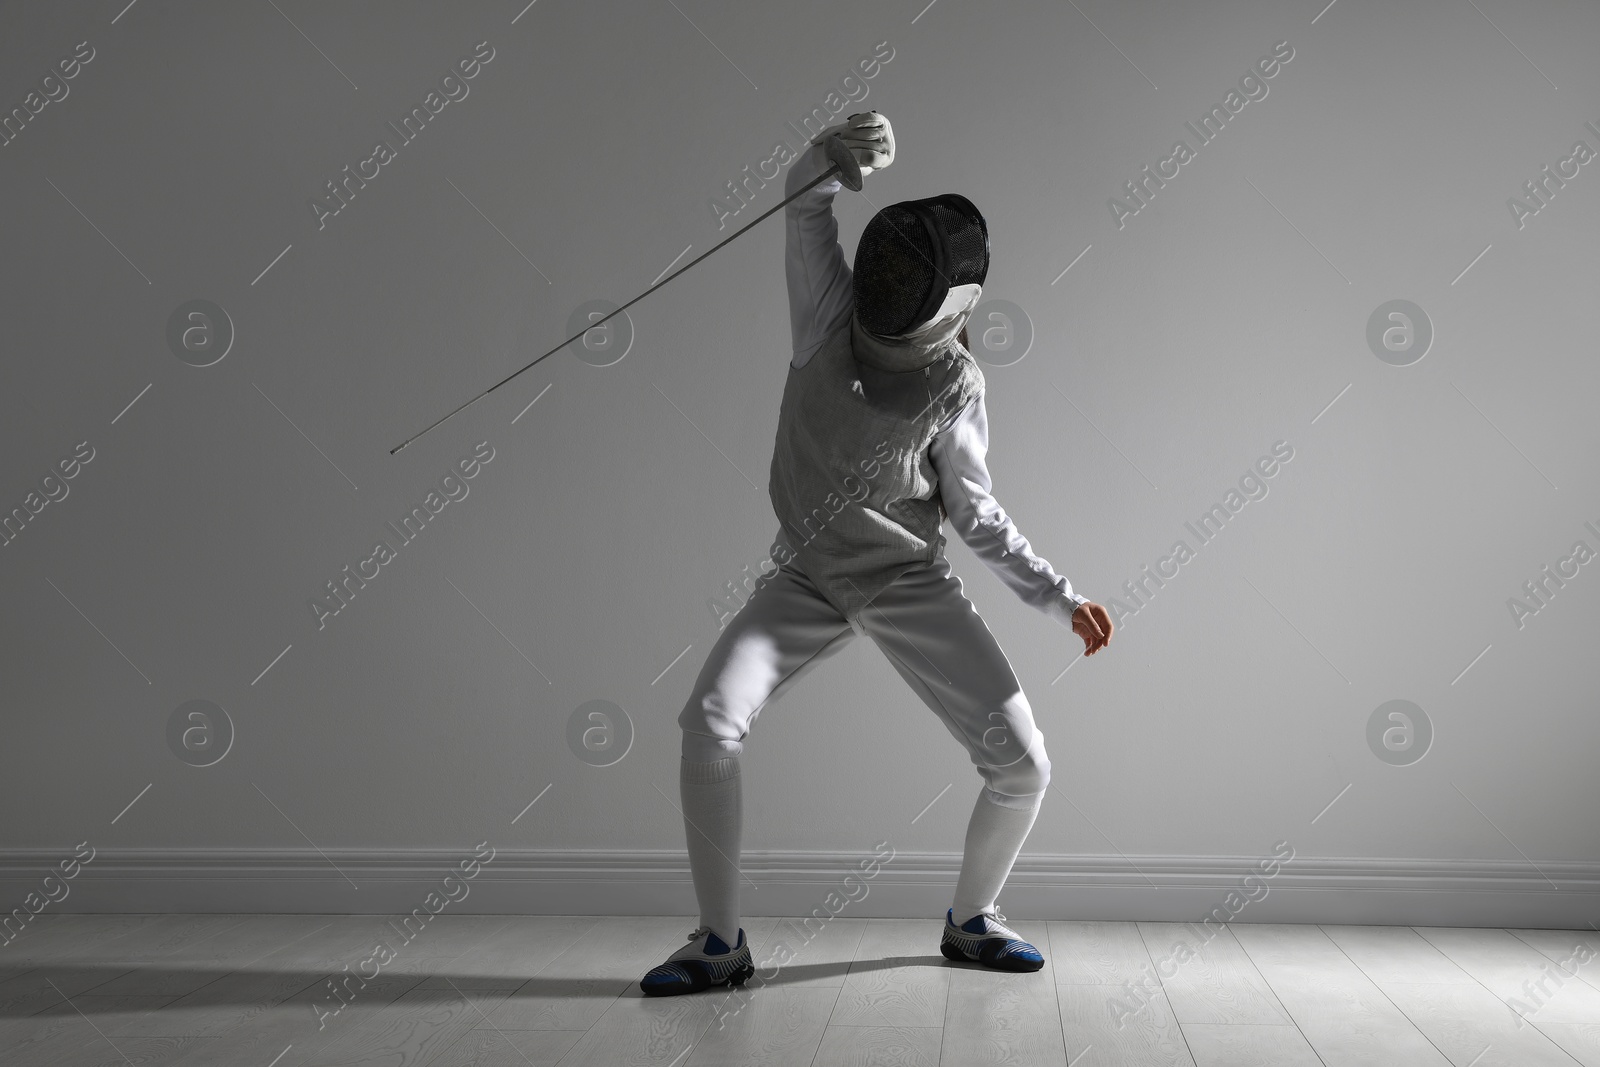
[869, 137]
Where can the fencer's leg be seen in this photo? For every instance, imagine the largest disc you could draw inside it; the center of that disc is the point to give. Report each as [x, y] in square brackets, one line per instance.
[995, 833]
[939, 644]
[783, 631]
[713, 826]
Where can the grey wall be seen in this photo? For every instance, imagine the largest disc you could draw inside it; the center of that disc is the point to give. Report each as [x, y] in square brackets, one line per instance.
[1228, 314]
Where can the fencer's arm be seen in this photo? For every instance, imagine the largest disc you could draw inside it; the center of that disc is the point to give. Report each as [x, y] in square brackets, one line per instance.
[958, 454]
[819, 277]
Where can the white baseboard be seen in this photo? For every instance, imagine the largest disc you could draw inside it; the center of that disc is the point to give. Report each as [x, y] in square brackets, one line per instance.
[1307, 889]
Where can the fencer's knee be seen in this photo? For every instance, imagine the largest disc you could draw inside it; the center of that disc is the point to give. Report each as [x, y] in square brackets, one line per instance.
[709, 732]
[1025, 778]
[1006, 800]
[703, 748]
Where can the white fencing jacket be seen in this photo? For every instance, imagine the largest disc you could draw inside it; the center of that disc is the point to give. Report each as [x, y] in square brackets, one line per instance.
[821, 302]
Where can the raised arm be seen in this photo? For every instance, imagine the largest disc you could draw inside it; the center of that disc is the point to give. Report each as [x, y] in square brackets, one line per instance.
[958, 454]
[820, 299]
[819, 278]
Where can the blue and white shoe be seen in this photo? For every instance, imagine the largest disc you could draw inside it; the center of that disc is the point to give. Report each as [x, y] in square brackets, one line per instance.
[986, 939]
[704, 962]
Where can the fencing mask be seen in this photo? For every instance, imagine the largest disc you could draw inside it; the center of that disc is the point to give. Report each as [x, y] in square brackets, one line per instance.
[911, 255]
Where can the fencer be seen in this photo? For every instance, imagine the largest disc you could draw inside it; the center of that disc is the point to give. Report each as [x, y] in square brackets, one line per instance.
[882, 434]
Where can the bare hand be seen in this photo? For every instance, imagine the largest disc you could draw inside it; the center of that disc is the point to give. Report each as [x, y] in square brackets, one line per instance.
[1092, 623]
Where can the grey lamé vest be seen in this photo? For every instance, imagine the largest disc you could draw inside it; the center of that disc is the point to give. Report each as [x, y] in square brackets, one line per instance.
[852, 483]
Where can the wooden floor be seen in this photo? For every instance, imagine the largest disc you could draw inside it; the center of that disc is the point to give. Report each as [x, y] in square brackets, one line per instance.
[252, 991]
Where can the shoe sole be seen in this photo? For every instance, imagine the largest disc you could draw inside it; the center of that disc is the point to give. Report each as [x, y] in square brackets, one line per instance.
[737, 977]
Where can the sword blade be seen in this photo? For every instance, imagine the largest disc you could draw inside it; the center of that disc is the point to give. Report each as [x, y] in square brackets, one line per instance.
[831, 172]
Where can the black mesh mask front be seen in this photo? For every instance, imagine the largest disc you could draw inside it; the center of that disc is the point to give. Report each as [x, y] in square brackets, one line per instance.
[911, 255]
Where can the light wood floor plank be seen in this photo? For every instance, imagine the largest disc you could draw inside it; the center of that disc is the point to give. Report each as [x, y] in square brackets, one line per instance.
[1104, 1027]
[1396, 954]
[1571, 1019]
[265, 979]
[71, 1040]
[1097, 953]
[1559, 1003]
[35, 990]
[158, 980]
[1578, 1039]
[1213, 1045]
[815, 954]
[63, 938]
[411, 1030]
[219, 1007]
[45, 1041]
[1493, 957]
[45, 938]
[167, 938]
[237, 947]
[448, 935]
[190, 967]
[1561, 948]
[879, 1046]
[139, 1051]
[641, 1031]
[306, 1021]
[518, 951]
[338, 940]
[481, 1047]
[106, 1013]
[898, 978]
[1469, 1024]
[1209, 981]
[993, 1017]
[1343, 1015]
[160, 955]
[576, 988]
[772, 1026]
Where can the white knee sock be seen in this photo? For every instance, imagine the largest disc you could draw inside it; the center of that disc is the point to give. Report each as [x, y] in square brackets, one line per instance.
[712, 815]
[995, 835]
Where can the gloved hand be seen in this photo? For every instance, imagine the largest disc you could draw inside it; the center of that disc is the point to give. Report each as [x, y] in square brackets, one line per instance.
[869, 137]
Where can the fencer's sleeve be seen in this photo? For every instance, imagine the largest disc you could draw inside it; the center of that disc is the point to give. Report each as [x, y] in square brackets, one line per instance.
[820, 298]
[958, 454]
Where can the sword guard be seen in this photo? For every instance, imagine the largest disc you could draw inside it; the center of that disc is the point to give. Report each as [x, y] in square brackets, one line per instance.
[843, 161]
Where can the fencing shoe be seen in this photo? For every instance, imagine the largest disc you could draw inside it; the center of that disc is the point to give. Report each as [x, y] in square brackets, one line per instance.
[986, 939]
[704, 962]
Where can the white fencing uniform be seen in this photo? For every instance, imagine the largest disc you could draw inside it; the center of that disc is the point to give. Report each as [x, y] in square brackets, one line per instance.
[920, 618]
[942, 648]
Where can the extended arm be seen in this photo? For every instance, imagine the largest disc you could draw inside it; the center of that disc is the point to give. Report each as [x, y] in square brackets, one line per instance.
[958, 454]
[820, 297]
[819, 278]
